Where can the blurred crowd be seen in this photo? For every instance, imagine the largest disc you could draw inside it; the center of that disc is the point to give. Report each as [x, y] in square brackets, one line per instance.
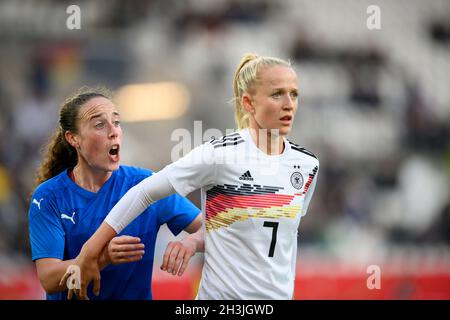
[374, 104]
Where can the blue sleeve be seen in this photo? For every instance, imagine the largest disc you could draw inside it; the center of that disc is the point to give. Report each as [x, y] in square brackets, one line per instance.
[177, 211]
[47, 235]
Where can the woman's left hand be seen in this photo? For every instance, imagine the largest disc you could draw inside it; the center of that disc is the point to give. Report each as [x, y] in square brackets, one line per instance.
[123, 249]
[177, 255]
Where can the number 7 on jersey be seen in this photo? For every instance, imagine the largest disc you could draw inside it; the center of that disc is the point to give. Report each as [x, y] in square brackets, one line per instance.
[273, 225]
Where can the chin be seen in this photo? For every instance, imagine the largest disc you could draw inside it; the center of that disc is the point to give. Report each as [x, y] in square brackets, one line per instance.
[284, 131]
[113, 167]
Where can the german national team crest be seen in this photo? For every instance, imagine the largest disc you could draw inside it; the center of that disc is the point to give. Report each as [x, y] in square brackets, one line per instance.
[297, 180]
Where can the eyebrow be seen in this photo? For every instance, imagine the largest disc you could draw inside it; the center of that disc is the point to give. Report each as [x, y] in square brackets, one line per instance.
[98, 115]
[284, 89]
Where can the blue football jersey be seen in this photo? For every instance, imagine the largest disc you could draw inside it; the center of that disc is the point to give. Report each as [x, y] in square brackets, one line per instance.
[63, 216]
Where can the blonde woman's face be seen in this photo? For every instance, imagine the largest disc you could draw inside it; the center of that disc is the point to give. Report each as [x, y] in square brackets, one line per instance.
[99, 134]
[274, 99]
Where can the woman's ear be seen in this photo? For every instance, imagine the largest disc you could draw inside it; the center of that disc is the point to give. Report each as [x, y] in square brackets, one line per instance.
[72, 139]
[247, 103]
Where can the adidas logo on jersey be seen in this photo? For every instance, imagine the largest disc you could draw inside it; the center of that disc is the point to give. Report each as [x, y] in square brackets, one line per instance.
[246, 176]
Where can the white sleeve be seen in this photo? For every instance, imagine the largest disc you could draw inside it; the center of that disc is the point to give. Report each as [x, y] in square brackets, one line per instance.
[193, 171]
[138, 198]
[309, 195]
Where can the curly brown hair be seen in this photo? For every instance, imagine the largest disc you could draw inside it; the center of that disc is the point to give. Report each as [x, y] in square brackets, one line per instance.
[59, 154]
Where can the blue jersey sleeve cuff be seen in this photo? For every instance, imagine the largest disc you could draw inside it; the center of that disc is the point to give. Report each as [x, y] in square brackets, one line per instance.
[46, 255]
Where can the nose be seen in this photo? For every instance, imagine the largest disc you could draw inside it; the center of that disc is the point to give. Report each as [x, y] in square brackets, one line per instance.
[114, 131]
[289, 102]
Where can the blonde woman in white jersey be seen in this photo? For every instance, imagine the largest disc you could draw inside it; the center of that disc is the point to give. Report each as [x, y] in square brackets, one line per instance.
[255, 187]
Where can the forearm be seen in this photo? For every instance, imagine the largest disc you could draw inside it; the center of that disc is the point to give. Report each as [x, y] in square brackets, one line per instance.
[50, 272]
[137, 199]
[96, 245]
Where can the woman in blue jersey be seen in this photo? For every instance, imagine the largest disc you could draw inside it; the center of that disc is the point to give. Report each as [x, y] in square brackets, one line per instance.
[255, 184]
[79, 181]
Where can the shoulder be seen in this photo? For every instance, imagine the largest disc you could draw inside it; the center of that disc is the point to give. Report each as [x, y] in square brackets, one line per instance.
[47, 195]
[48, 187]
[232, 139]
[303, 151]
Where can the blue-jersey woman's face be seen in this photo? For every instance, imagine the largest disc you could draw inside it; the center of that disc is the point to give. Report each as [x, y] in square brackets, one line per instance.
[99, 134]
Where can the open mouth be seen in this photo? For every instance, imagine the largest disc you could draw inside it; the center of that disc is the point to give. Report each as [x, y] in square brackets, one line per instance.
[114, 150]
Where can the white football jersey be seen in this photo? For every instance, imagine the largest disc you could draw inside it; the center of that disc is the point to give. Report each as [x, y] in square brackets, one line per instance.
[252, 204]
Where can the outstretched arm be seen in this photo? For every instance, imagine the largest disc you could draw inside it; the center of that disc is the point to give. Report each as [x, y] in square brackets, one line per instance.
[195, 170]
[132, 204]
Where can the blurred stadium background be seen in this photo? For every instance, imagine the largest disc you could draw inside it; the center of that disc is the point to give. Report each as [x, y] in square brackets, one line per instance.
[374, 107]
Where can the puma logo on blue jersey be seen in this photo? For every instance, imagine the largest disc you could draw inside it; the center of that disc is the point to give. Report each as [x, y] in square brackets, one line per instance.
[65, 216]
[38, 203]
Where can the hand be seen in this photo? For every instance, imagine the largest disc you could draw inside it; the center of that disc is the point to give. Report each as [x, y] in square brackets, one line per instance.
[87, 262]
[177, 255]
[78, 276]
[124, 249]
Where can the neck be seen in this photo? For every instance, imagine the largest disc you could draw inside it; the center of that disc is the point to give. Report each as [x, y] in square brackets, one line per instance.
[89, 178]
[271, 144]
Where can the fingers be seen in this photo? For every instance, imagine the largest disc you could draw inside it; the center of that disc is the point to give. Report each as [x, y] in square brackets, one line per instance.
[82, 293]
[78, 276]
[184, 265]
[96, 288]
[64, 278]
[128, 259]
[126, 240]
[78, 295]
[176, 258]
[175, 261]
[71, 280]
[127, 256]
[166, 256]
[126, 247]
